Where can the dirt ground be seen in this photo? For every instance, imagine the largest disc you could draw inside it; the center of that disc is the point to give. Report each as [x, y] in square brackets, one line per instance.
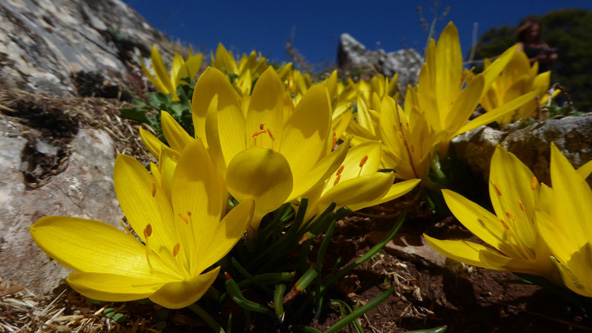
[466, 299]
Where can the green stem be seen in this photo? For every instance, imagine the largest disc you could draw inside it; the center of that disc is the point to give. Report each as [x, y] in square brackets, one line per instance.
[207, 318]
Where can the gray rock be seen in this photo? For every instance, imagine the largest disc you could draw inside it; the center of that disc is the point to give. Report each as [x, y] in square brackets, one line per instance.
[84, 189]
[410, 247]
[45, 42]
[353, 54]
[572, 135]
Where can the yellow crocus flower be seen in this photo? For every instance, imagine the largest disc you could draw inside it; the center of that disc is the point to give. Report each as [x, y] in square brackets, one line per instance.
[270, 154]
[517, 78]
[564, 218]
[448, 98]
[179, 240]
[409, 144]
[180, 69]
[514, 243]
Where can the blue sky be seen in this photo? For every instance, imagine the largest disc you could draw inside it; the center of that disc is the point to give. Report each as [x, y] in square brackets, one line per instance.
[264, 25]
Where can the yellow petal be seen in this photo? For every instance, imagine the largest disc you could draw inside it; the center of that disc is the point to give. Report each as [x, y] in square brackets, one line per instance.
[359, 190]
[573, 195]
[180, 294]
[198, 201]
[396, 190]
[512, 264]
[152, 143]
[491, 73]
[211, 82]
[492, 115]
[161, 71]
[449, 63]
[173, 132]
[577, 273]
[463, 251]
[266, 110]
[262, 175]
[465, 104]
[511, 193]
[113, 287]
[227, 233]
[143, 202]
[477, 219]
[231, 131]
[585, 169]
[321, 171]
[306, 131]
[92, 246]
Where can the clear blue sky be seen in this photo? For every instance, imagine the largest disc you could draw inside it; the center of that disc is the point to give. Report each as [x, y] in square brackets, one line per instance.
[264, 26]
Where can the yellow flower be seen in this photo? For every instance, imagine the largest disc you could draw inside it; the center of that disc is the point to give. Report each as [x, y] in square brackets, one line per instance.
[180, 69]
[357, 183]
[177, 240]
[409, 143]
[517, 79]
[270, 152]
[445, 96]
[514, 243]
[564, 220]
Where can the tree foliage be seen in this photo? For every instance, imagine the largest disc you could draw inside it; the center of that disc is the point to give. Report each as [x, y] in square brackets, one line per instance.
[567, 30]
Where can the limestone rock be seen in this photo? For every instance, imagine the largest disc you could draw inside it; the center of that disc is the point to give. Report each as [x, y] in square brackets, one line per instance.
[44, 42]
[572, 135]
[353, 54]
[84, 189]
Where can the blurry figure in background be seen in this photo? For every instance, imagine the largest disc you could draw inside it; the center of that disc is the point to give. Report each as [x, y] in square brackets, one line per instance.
[529, 34]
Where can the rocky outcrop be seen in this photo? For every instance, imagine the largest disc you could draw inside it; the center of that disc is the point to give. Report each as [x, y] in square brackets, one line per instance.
[353, 54]
[572, 135]
[45, 43]
[57, 158]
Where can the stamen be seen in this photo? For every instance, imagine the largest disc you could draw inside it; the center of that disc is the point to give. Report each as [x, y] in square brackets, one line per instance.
[258, 133]
[334, 141]
[148, 231]
[189, 214]
[510, 215]
[497, 189]
[153, 190]
[261, 126]
[412, 149]
[533, 183]
[337, 180]
[364, 160]
[521, 205]
[183, 218]
[126, 229]
[176, 249]
[340, 170]
[270, 135]
[505, 225]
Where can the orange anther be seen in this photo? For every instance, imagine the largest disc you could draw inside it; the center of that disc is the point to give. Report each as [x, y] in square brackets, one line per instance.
[497, 189]
[334, 141]
[153, 190]
[183, 218]
[412, 149]
[510, 215]
[189, 214]
[337, 180]
[340, 170]
[148, 230]
[364, 160]
[505, 225]
[270, 135]
[521, 205]
[533, 183]
[261, 126]
[176, 249]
